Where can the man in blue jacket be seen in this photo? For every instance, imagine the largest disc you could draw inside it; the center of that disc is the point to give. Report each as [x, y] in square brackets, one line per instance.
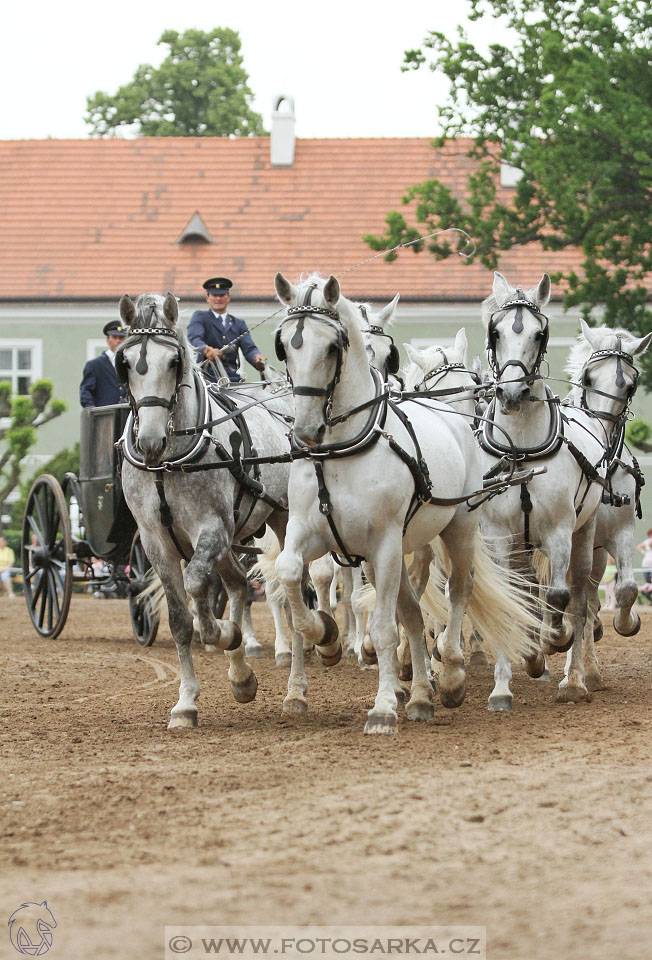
[217, 334]
[100, 386]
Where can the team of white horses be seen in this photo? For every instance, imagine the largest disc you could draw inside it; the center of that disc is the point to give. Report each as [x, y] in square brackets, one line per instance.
[460, 495]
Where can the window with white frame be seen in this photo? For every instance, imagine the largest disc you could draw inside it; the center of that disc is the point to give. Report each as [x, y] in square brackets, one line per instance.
[94, 348]
[21, 363]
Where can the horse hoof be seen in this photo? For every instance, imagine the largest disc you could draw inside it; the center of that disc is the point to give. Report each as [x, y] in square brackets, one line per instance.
[349, 651]
[452, 698]
[331, 630]
[329, 660]
[420, 711]
[381, 723]
[405, 673]
[245, 692]
[183, 720]
[630, 633]
[231, 634]
[308, 650]
[536, 665]
[283, 659]
[573, 694]
[594, 682]
[501, 703]
[295, 708]
[545, 676]
[401, 696]
[368, 656]
[564, 647]
[210, 648]
[598, 631]
[253, 650]
[479, 660]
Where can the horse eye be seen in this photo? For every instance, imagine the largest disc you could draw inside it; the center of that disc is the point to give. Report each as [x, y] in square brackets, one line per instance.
[332, 348]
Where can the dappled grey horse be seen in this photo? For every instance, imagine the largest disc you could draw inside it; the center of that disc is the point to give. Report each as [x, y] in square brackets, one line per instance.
[188, 484]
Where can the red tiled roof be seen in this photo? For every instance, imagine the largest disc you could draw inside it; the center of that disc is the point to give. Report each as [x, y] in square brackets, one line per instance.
[97, 218]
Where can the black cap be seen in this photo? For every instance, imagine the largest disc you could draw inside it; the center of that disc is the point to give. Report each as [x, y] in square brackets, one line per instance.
[217, 285]
[114, 328]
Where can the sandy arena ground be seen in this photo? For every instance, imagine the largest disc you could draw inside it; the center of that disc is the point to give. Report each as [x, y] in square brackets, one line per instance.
[536, 824]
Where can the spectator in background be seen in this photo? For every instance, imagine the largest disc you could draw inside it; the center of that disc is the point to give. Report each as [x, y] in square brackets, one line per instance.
[7, 560]
[646, 563]
[100, 386]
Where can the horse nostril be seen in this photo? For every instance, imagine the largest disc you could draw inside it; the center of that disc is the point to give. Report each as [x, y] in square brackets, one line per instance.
[321, 431]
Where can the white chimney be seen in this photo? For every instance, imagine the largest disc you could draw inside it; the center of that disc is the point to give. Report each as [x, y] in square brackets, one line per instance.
[282, 138]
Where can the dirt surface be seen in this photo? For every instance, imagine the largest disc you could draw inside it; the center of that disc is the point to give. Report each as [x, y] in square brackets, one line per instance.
[535, 824]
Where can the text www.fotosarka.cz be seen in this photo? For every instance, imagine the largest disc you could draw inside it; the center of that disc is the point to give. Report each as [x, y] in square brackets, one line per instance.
[326, 943]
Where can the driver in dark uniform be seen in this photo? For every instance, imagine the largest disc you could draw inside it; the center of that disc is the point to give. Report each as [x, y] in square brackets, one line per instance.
[212, 332]
[100, 385]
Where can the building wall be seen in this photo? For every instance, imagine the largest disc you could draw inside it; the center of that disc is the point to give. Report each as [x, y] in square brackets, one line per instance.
[69, 332]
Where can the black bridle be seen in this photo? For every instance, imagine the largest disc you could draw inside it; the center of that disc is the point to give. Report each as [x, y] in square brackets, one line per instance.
[330, 317]
[142, 335]
[518, 304]
[623, 398]
[393, 360]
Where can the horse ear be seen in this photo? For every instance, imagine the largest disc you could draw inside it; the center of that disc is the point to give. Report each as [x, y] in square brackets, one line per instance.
[640, 346]
[171, 308]
[588, 334]
[541, 293]
[387, 312]
[501, 288]
[285, 291]
[127, 310]
[461, 344]
[414, 356]
[332, 290]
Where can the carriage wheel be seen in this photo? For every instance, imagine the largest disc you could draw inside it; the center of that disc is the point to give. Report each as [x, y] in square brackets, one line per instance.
[144, 619]
[47, 557]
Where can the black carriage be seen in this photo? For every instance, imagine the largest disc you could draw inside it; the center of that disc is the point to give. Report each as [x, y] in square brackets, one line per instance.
[68, 526]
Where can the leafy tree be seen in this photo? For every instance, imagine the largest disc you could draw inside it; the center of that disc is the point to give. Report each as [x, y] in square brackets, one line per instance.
[568, 101]
[638, 433]
[200, 90]
[27, 414]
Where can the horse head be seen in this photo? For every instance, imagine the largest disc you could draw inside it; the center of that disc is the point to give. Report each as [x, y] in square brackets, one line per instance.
[602, 364]
[151, 362]
[314, 340]
[381, 349]
[517, 337]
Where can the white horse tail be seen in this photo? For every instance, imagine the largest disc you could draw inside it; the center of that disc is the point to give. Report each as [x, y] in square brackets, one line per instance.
[154, 594]
[363, 598]
[265, 568]
[500, 609]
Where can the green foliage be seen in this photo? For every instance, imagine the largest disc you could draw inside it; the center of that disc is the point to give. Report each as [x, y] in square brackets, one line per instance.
[27, 414]
[66, 461]
[200, 90]
[569, 103]
[638, 433]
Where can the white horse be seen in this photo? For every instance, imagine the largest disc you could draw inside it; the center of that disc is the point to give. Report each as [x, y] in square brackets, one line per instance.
[193, 514]
[555, 511]
[602, 364]
[363, 489]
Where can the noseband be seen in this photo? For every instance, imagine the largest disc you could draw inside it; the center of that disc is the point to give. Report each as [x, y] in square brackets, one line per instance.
[330, 317]
[142, 335]
[517, 303]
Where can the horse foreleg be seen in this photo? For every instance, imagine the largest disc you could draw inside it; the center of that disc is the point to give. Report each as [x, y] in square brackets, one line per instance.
[316, 626]
[386, 572]
[184, 713]
[572, 688]
[241, 676]
[349, 630]
[459, 540]
[593, 677]
[322, 574]
[252, 647]
[419, 706]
